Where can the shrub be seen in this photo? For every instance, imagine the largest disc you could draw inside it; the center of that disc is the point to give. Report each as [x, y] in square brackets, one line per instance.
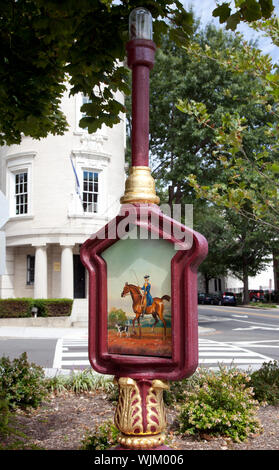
[178, 389]
[53, 307]
[104, 437]
[18, 308]
[220, 404]
[22, 383]
[14, 308]
[4, 414]
[265, 383]
[80, 382]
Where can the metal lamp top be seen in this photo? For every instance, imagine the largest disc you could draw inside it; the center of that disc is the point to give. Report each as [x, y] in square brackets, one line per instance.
[140, 24]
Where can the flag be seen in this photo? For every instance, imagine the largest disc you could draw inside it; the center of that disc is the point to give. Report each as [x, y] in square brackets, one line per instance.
[78, 191]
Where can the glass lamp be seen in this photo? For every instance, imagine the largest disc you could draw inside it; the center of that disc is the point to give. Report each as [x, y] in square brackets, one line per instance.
[140, 24]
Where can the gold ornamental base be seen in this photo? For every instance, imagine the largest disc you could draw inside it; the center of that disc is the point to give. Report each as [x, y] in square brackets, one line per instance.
[140, 415]
[140, 187]
[141, 442]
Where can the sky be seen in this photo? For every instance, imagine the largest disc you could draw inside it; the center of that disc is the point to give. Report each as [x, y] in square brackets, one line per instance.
[203, 10]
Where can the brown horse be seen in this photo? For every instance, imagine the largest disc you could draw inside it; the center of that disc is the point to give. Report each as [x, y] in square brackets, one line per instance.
[139, 303]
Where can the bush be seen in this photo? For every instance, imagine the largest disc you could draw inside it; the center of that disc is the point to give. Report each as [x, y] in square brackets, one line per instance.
[22, 384]
[220, 404]
[4, 415]
[265, 383]
[80, 382]
[18, 308]
[15, 308]
[178, 389]
[53, 307]
[104, 437]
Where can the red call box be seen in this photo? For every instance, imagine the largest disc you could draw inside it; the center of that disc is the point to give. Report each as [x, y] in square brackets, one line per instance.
[143, 318]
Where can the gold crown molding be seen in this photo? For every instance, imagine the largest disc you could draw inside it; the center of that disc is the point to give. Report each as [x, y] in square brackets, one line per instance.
[140, 187]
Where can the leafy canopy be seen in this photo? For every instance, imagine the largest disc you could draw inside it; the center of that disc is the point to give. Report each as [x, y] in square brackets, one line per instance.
[232, 13]
[45, 43]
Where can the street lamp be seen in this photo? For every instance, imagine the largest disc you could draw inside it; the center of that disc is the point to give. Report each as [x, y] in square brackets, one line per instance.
[142, 268]
[140, 186]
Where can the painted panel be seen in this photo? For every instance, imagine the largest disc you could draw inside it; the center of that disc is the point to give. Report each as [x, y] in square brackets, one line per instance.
[139, 297]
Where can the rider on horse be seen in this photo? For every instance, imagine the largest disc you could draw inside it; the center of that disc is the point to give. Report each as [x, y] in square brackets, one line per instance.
[146, 294]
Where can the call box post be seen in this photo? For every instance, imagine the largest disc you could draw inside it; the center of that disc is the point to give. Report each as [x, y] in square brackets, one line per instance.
[143, 321]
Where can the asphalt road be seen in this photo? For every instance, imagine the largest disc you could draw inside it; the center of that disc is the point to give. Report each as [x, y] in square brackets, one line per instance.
[240, 336]
[256, 330]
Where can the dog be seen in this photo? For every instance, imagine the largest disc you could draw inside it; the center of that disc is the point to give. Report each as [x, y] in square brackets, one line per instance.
[122, 329]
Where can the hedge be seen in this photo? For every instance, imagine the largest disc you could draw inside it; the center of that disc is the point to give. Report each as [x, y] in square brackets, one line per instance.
[22, 308]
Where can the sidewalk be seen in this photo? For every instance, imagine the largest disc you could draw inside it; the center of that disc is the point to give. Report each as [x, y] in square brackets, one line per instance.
[41, 332]
[56, 333]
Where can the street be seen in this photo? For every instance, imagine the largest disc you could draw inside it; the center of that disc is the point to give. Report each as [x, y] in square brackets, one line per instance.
[244, 337]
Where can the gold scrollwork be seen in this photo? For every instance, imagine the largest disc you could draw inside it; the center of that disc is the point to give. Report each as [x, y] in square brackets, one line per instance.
[156, 413]
[128, 415]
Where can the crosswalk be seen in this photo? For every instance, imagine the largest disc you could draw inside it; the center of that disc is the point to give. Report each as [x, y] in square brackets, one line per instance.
[212, 353]
[72, 353]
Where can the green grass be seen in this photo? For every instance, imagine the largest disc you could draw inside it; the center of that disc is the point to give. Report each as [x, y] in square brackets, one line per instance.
[262, 305]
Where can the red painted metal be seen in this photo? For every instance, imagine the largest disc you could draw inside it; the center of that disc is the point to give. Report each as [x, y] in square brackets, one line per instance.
[184, 266]
[141, 54]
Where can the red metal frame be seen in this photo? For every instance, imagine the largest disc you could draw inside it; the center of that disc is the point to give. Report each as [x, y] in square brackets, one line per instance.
[184, 266]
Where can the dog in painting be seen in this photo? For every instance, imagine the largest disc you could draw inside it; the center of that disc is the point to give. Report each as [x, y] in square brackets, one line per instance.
[122, 329]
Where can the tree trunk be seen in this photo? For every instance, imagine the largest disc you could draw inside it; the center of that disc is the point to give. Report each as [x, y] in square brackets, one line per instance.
[246, 298]
[206, 280]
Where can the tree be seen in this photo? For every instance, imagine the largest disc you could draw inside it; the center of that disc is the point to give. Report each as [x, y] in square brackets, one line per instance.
[46, 43]
[211, 223]
[182, 143]
[236, 246]
[116, 316]
[250, 249]
[251, 186]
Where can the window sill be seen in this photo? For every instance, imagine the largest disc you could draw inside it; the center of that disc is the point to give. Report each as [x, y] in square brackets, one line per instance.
[21, 217]
[92, 215]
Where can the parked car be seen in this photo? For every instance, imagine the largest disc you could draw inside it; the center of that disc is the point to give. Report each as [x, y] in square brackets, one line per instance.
[257, 295]
[228, 298]
[210, 299]
[216, 299]
[204, 298]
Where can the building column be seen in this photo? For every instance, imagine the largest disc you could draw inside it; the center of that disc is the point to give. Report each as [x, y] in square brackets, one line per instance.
[40, 278]
[67, 272]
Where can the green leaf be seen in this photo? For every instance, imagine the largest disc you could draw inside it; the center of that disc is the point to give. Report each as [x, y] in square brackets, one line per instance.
[223, 11]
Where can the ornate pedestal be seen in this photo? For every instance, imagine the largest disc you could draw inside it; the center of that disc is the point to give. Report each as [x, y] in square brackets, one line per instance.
[140, 414]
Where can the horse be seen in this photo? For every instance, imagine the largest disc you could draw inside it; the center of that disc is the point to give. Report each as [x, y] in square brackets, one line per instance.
[156, 309]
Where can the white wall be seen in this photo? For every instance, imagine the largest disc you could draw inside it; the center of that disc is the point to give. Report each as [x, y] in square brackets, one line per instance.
[261, 281]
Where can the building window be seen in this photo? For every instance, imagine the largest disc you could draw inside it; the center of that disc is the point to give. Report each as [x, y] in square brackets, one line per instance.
[30, 270]
[19, 183]
[21, 193]
[85, 100]
[90, 191]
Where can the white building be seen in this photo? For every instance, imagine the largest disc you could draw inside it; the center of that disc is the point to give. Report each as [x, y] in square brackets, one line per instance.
[265, 280]
[49, 220]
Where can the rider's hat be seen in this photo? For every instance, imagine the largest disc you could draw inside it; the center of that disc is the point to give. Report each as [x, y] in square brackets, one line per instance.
[146, 277]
